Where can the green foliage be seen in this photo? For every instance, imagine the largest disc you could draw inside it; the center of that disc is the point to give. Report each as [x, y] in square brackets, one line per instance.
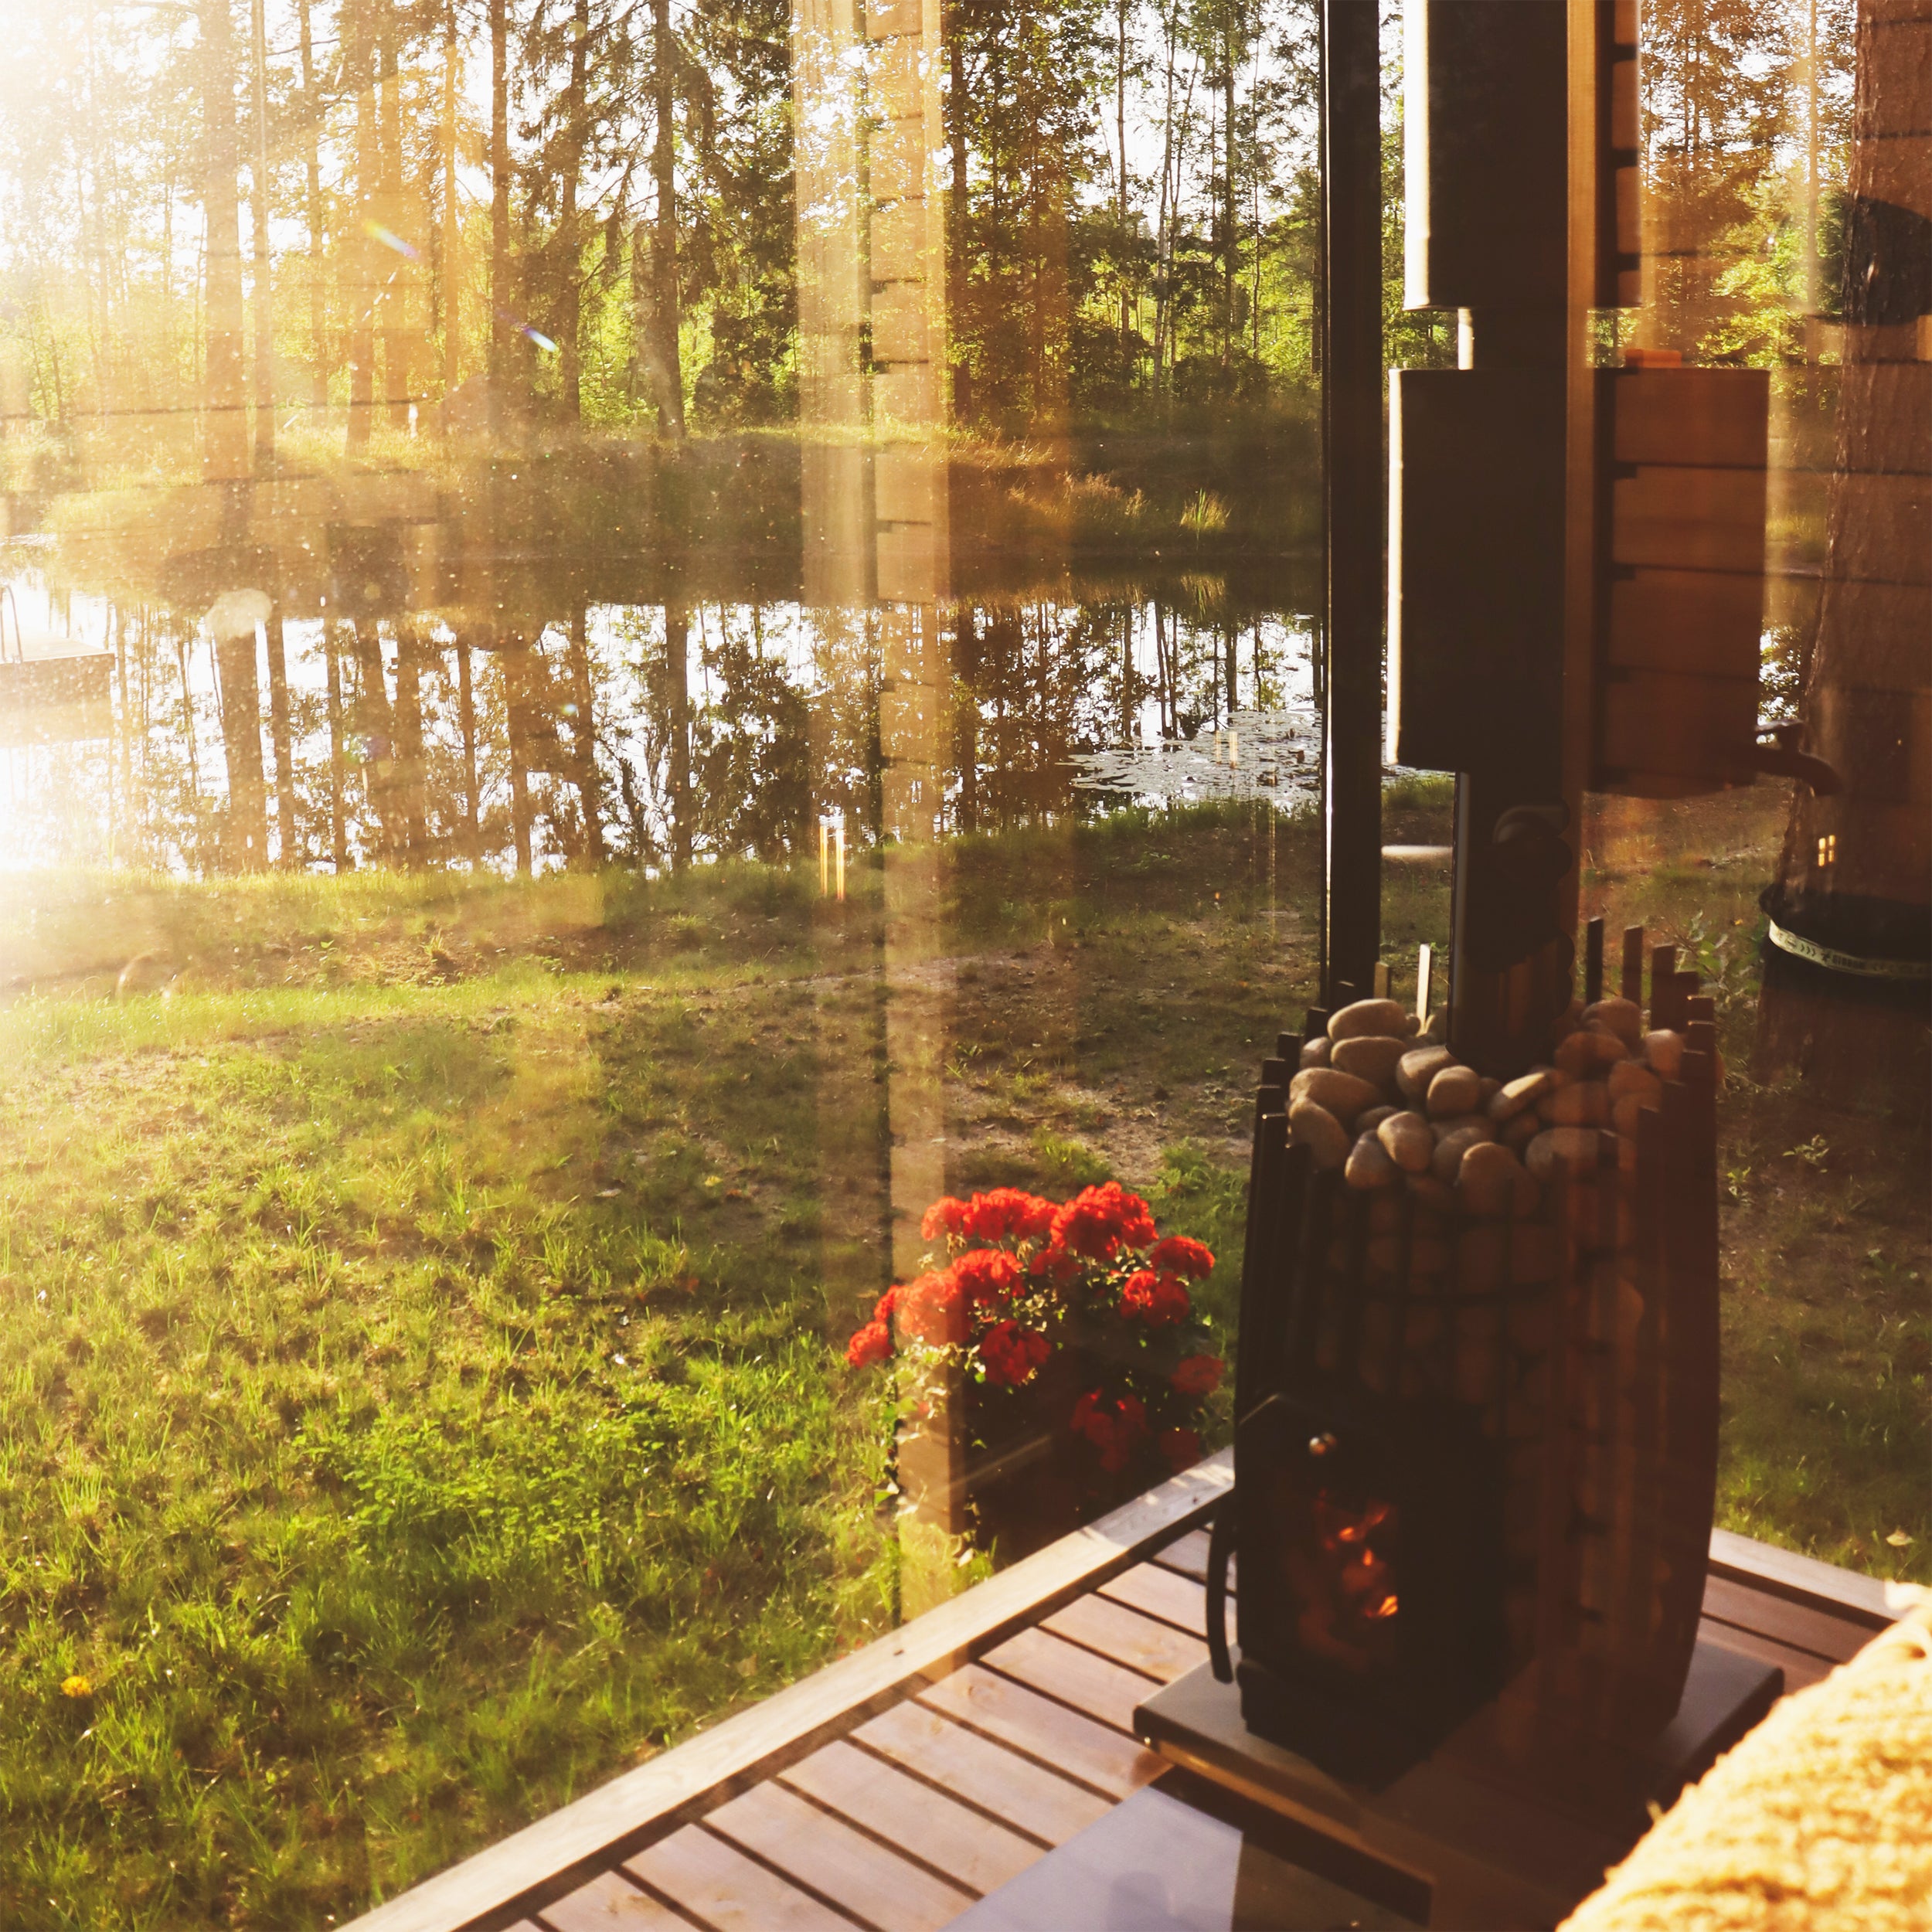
[1065, 1166]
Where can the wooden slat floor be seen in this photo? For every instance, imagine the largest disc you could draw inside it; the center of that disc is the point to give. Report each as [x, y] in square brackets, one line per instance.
[902, 1824]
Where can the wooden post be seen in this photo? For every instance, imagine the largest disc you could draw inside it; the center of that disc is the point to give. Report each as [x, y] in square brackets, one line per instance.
[1632, 986]
[1351, 492]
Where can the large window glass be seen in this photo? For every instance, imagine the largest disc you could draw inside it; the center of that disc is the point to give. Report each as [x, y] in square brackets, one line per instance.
[635, 643]
[1784, 224]
[638, 642]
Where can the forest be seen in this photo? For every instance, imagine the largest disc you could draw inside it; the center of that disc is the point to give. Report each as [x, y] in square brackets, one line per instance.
[323, 228]
[469, 335]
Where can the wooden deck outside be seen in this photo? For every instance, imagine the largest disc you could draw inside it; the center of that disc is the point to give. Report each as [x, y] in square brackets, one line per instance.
[948, 1760]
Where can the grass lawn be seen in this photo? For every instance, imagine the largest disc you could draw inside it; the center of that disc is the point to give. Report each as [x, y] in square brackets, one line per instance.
[1825, 1219]
[418, 1401]
[417, 1392]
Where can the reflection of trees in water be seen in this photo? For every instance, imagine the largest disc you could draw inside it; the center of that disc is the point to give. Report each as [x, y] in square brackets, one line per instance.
[650, 736]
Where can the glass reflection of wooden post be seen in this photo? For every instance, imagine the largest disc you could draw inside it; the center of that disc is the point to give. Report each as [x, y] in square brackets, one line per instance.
[906, 274]
[872, 283]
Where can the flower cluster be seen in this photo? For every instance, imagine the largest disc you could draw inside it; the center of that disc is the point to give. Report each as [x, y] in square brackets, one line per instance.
[1112, 1425]
[1078, 1312]
[1007, 1213]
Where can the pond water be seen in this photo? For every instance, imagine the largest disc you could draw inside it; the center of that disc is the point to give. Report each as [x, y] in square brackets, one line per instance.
[324, 693]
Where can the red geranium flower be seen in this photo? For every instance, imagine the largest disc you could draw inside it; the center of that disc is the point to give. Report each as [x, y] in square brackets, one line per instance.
[1006, 1213]
[987, 1275]
[1200, 1375]
[1099, 1220]
[1012, 1353]
[1178, 1255]
[1055, 1265]
[1181, 1447]
[1156, 1299]
[933, 1308]
[1112, 1426]
[872, 1343]
[888, 1302]
[945, 1216]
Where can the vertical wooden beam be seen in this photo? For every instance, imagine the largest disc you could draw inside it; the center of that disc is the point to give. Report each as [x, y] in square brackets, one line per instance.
[1591, 32]
[1351, 490]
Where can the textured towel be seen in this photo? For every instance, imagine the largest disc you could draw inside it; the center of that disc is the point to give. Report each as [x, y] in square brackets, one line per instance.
[1821, 1818]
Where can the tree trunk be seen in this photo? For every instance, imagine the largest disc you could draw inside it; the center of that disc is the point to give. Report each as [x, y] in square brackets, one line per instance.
[499, 207]
[466, 720]
[1857, 871]
[264, 288]
[570, 242]
[225, 402]
[397, 271]
[583, 738]
[278, 722]
[677, 649]
[1120, 137]
[958, 208]
[364, 283]
[411, 799]
[188, 721]
[513, 657]
[247, 842]
[318, 302]
[452, 262]
[376, 725]
[338, 756]
[125, 732]
[664, 302]
[1230, 251]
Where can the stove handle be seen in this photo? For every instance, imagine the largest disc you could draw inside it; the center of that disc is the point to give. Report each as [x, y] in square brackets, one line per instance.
[1783, 758]
[1220, 1548]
